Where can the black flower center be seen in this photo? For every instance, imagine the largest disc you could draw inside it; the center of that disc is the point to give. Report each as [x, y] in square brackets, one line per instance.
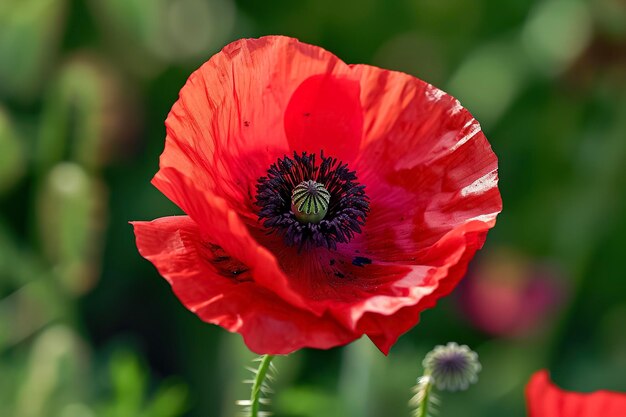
[312, 205]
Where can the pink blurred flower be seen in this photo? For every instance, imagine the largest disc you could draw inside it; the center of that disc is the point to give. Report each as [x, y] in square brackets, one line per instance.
[507, 294]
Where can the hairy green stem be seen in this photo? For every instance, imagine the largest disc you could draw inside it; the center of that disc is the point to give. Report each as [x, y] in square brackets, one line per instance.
[255, 395]
[424, 406]
[423, 396]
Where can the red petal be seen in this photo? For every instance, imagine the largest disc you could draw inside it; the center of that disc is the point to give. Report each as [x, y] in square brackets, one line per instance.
[201, 276]
[432, 179]
[325, 113]
[426, 163]
[382, 300]
[450, 256]
[255, 101]
[226, 230]
[547, 400]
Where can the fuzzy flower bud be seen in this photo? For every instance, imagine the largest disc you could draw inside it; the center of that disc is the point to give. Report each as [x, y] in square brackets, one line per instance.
[452, 367]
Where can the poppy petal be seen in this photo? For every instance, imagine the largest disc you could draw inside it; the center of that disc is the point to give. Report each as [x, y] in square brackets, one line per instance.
[325, 113]
[545, 399]
[384, 329]
[426, 163]
[382, 300]
[216, 219]
[255, 101]
[201, 275]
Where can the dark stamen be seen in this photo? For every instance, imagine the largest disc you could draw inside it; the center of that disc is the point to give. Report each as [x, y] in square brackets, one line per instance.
[284, 207]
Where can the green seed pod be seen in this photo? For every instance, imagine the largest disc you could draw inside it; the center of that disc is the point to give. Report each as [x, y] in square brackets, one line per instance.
[309, 201]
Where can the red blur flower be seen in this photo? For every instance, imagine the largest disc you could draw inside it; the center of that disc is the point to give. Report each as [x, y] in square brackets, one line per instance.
[324, 201]
[545, 399]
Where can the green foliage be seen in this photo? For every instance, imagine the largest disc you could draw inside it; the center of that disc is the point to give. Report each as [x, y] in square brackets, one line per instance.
[55, 380]
[309, 401]
[129, 394]
[12, 158]
[29, 38]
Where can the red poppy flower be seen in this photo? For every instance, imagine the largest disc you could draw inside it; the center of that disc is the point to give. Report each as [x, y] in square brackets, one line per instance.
[547, 400]
[324, 201]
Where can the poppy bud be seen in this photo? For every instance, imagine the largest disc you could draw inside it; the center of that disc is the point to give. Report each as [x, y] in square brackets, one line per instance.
[452, 367]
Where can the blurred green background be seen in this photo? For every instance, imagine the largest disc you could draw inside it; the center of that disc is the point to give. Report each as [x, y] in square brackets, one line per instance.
[89, 329]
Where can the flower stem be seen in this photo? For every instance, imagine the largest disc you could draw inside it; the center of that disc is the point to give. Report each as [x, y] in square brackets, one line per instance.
[255, 395]
[423, 396]
[423, 408]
